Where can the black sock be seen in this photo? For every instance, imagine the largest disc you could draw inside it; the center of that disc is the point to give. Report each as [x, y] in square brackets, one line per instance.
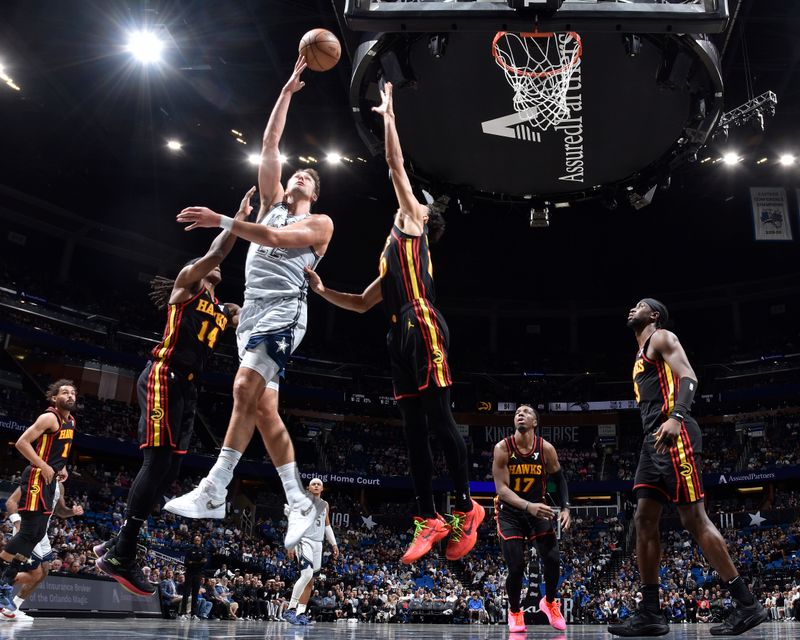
[740, 592]
[650, 595]
[125, 546]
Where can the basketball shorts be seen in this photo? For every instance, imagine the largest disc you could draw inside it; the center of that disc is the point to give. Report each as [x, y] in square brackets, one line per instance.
[167, 405]
[515, 524]
[42, 552]
[36, 495]
[309, 554]
[673, 476]
[268, 333]
[418, 342]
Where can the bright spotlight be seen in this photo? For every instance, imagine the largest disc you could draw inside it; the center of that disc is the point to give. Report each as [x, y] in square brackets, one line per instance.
[254, 158]
[174, 145]
[333, 157]
[282, 158]
[145, 46]
[787, 159]
[731, 158]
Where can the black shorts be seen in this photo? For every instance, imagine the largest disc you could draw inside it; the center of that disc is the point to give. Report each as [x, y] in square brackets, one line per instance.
[418, 341]
[168, 403]
[674, 476]
[36, 496]
[514, 524]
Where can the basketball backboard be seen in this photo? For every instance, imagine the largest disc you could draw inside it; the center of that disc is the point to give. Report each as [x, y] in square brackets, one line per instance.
[626, 16]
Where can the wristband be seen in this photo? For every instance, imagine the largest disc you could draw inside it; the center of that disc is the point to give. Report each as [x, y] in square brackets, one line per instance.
[226, 223]
[14, 518]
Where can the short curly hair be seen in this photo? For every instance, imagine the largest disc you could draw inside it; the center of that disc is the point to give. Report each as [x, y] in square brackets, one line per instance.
[54, 388]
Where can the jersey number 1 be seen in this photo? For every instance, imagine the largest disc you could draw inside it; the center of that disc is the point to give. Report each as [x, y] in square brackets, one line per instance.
[211, 339]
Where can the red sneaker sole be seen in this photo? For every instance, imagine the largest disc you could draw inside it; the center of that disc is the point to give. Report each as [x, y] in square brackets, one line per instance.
[125, 584]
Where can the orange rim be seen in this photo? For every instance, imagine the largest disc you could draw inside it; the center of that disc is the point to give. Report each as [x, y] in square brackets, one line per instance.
[543, 35]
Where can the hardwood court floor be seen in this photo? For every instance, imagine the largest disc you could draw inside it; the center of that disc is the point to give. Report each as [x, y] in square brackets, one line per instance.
[101, 629]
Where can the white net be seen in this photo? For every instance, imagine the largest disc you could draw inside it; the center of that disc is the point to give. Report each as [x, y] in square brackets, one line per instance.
[539, 68]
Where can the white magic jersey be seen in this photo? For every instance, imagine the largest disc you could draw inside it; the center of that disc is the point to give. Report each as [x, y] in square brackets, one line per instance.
[276, 273]
[316, 531]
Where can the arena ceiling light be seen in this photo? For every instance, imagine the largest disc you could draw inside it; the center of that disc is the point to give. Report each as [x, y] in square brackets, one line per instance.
[174, 145]
[731, 158]
[333, 157]
[145, 46]
[787, 159]
[254, 158]
[282, 158]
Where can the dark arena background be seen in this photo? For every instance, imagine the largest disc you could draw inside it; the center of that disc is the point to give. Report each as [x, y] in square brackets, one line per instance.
[673, 172]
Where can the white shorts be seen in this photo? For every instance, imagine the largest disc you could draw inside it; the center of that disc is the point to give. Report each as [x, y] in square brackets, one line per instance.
[268, 333]
[43, 551]
[309, 553]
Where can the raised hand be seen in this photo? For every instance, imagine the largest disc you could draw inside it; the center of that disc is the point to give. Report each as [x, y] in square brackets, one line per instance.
[294, 84]
[198, 218]
[386, 106]
[245, 208]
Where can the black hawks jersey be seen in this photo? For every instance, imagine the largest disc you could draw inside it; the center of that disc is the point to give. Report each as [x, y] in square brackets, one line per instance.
[656, 388]
[527, 476]
[406, 272]
[192, 331]
[53, 447]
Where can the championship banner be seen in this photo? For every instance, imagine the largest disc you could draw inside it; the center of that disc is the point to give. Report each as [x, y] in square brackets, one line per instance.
[770, 214]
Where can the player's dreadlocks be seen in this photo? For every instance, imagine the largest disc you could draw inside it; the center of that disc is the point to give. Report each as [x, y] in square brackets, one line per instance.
[161, 288]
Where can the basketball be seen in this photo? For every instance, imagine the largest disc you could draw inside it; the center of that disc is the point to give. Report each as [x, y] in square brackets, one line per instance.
[321, 49]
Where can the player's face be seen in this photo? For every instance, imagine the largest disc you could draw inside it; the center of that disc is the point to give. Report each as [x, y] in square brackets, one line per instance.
[640, 316]
[525, 419]
[215, 276]
[315, 487]
[65, 398]
[302, 183]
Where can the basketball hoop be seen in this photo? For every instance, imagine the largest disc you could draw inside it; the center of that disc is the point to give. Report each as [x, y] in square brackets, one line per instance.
[539, 67]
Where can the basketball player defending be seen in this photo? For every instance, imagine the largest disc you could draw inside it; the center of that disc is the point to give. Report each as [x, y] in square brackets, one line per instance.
[167, 391]
[45, 444]
[520, 468]
[669, 472]
[38, 568]
[418, 342]
[309, 555]
[286, 239]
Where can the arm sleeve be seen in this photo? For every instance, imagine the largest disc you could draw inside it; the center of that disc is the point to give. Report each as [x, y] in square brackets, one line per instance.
[562, 490]
[329, 535]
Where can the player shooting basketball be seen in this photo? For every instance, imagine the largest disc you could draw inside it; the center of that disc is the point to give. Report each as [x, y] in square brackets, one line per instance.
[418, 341]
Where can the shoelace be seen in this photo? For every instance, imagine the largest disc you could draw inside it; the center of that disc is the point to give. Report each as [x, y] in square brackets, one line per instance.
[419, 527]
[457, 526]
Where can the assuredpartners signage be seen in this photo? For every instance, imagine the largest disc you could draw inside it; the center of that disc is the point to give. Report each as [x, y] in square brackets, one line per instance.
[89, 594]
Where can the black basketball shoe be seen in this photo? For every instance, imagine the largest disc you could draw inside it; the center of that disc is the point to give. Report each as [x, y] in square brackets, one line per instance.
[641, 623]
[127, 573]
[742, 619]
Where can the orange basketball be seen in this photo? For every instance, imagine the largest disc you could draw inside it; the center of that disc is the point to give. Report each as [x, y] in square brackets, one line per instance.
[321, 49]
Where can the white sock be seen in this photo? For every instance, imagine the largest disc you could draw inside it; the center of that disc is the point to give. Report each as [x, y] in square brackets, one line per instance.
[301, 608]
[292, 485]
[18, 601]
[221, 473]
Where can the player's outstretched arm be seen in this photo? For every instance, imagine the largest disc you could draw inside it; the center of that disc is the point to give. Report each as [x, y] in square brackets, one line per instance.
[358, 302]
[314, 231]
[45, 422]
[12, 509]
[62, 510]
[409, 205]
[188, 280]
[269, 171]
